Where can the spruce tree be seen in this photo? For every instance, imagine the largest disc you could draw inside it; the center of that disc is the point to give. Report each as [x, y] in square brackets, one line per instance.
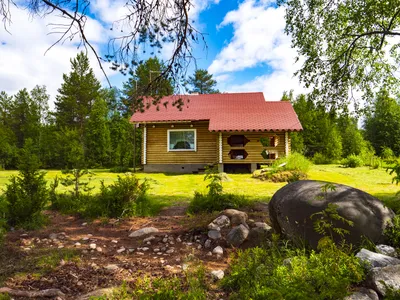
[77, 95]
[202, 83]
[145, 80]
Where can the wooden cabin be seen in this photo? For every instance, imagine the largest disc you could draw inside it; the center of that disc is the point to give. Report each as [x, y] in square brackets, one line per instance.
[237, 131]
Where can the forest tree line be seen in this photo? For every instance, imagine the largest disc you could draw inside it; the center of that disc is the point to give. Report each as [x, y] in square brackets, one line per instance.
[330, 135]
[89, 126]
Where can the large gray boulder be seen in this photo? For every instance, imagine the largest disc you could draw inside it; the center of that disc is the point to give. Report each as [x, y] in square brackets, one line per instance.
[292, 206]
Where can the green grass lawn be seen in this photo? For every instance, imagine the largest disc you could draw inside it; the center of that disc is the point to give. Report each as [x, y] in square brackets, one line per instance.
[172, 188]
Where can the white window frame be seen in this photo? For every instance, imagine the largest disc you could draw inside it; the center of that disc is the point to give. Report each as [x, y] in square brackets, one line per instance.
[180, 150]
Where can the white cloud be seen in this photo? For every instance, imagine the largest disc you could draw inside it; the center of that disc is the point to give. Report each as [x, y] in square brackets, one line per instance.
[24, 62]
[258, 40]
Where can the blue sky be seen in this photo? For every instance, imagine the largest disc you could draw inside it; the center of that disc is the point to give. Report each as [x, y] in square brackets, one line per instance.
[247, 49]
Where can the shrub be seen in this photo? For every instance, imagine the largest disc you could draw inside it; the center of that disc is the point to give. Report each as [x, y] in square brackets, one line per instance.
[26, 194]
[293, 162]
[288, 176]
[321, 159]
[353, 161]
[392, 232]
[205, 203]
[279, 273]
[215, 199]
[120, 169]
[125, 197]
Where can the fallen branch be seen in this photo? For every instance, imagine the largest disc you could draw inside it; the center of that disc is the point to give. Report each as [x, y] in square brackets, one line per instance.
[33, 294]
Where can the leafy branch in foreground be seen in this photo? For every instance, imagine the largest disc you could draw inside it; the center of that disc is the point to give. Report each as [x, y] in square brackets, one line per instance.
[347, 46]
[145, 25]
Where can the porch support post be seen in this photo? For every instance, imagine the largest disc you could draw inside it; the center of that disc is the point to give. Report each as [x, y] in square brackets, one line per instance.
[144, 144]
[286, 143]
[220, 148]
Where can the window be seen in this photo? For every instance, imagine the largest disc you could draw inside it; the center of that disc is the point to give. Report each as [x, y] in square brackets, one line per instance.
[237, 140]
[182, 140]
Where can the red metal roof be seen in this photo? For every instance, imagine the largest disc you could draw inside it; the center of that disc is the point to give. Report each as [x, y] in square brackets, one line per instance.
[226, 112]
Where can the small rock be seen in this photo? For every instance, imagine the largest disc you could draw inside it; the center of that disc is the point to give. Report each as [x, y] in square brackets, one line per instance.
[26, 242]
[53, 236]
[24, 235]
[170, 251]
[214, 234]
[111, 267]
[149, 239]
[92, 246]
[79, 283]
[380, 279]
[213, 226]
[185, 267]
[144, 249]
[163, 249]
[60, 246]
[207, 244]
[237, 235]
[221, 222]
[376, 259]
[121, 250]
[262, 225]
[89, 235]
[218, 250]
[159, 253]
[236, 217]
[85, 239]
[178, 240]
[386, 250]
[209, 253]
[84, 224]
[143, 231]
[139, 253]
[199, 247]
[156, 250]
[99, 249]
[114, 241]
[77, 244]
[363, 294]
[217, 274]
[165, 240]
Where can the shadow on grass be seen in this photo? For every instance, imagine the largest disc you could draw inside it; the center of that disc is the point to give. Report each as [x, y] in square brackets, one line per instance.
[35, 264]
[391, 200]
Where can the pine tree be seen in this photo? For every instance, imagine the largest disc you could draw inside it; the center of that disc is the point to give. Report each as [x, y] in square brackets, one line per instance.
[202, 83]
[77, 95]
[98, 145]
[146, 80]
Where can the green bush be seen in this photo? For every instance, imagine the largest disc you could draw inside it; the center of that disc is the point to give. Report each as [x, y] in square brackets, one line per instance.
[277, 273]
[26, 194]
[293, 162]
[353, 161]
[206, 203]
[120, 169]
[125, 197]
[321, 159]
[392, 232]
[215, 199]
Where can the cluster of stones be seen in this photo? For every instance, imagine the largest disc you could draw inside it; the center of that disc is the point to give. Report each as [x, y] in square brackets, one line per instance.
[56, 240]
[235, 227]
[383, 273]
